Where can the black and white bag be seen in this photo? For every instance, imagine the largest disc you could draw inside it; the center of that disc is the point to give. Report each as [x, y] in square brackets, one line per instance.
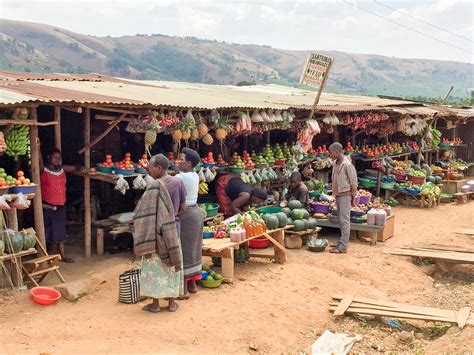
[129, 287]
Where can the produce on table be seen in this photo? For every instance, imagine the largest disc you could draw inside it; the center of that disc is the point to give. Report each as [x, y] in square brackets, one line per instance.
[7, 180]
[13, 241]
[126, 163]
[108, 163]
[221, 161]
[143, 162]
[203, 188]
[29, 240]
[3, 145]
[209, 159]
[431, 192]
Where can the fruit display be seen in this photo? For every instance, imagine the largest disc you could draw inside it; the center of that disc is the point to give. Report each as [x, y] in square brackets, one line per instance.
[279, 155]
[221, 161]
[126, 163]
[17, 141]
[203, 188]
[251, 222]
[209, 159]
[268, 154]
[239, 164]
[8, 181]
[13, 241]
[143, 162]
[219, 231]
[108, 163]
[297, 216]
[223, 126]
[261, 160]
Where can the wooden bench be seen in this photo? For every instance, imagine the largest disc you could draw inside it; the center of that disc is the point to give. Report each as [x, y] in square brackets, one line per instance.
[108, 226]
[380, 233]
[224, 249]
[14, 265]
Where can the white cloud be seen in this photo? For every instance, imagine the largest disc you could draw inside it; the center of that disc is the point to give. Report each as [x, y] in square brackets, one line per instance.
[324, 25]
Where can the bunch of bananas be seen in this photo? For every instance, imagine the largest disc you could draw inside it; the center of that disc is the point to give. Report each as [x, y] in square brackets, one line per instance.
[203, 188]
[436, 138]
[17, 141]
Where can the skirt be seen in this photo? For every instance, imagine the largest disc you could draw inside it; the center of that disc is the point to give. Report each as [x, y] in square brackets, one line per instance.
[222, 198]
[192, 223]
[55, 224]
[158, 280]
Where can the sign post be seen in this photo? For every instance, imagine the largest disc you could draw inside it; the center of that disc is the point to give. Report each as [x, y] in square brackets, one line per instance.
[315, 73]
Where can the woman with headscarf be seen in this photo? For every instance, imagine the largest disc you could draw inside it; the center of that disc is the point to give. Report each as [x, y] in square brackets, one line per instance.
[156, 238]
[192, 222]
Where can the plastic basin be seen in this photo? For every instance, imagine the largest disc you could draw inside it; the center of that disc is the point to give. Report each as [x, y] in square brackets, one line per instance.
[211, 209]
[45, 295]
[23, 189]
[268, 210]
[237, 170]
[211, 284]
[207, 235]
[259, 243]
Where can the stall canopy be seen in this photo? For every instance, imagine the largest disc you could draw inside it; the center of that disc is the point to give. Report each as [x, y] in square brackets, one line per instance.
[82, 89]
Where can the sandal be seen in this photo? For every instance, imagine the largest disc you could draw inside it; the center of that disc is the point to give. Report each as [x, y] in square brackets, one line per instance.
[337, 251]
[67, 260]
[151, 309]
[173, 309]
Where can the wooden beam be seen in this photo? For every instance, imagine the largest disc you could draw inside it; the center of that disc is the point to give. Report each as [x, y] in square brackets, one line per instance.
[343, 305]
[36, 177]
[57, 127]
[87, 184]
[118, 110]
[112, 118]
[112, 125]
[6, 122]
[75, 109]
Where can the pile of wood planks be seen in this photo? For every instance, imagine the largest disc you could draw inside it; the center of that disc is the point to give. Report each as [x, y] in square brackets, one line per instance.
[438, 252]
[361, 305]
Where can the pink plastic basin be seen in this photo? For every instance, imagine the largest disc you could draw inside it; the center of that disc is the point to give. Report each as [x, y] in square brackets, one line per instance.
[45, 295]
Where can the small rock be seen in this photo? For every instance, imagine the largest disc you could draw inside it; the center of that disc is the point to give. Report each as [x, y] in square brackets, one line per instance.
[242, 279]
[273, 315]
[419, 335]
[74, 290]
[406, 337]
[374, 346]
[253, 284]
[253, 347]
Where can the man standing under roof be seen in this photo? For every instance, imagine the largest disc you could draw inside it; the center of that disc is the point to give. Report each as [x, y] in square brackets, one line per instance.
[344, 187]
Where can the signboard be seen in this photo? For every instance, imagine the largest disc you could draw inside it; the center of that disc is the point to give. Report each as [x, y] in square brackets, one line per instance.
[316, 69]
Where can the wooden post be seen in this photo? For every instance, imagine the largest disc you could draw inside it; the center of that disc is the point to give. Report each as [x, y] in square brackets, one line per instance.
[36, 177]
[12, 219]
[336, 134]
[316, 101]
[100, 241]
[57, 127]
[87, 184]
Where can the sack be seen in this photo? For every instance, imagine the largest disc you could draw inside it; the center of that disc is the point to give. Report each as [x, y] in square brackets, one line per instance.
[129, 287]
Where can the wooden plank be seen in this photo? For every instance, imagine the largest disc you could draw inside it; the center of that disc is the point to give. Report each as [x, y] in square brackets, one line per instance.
[277, 244]
[395, 314]
[343, 305]
[20, 254]
[12, 218]
[463, 316]
[467, 231]
[44, 271]
[57, 127]
[32, 122]
[100, 241]
[36, 178]
[461, 249]
[101, 136]
[262, 256]
[228, 267]
[87, 185]
[467, 258]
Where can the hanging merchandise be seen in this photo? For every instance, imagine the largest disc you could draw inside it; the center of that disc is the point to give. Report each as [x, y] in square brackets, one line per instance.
[265, 117]
[252, 179]
[202, 127]
[278, 116]
[314, 126]
[202, 177]
[256, 117]
[186, 126]
[151, 132]
[139, 183]
[209, 176]
[3, 145]
[207, 139]
[215, 116]
[271, 116]
[4, 199]
[334, 120]
[327, 119]
[21, 202]
[203, 188]
[138, 125]
[122, 185]
[245, 178]
[17, 141]
[169, 120]
[149, 180]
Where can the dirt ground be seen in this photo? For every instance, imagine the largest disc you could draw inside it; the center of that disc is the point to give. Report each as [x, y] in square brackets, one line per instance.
[271, 308]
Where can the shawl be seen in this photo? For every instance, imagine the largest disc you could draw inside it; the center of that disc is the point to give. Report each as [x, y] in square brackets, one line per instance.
[155, 226]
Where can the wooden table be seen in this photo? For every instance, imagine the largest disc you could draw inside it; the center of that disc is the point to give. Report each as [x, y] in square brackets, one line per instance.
[224, 249]
[14, 265]
[380, 233]
[114, 228]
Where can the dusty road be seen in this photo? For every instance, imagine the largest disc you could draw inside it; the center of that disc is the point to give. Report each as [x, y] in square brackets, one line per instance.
[274, 308]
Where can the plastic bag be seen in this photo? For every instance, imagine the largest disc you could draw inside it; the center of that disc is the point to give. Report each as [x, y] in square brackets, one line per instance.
[202, 177]
[256, 117]
[253, 181]
[209, 175]
[265, 117]
[278, 116]
[257, 176]
[148, 179]
[139, 183]
[21, 202]
[189, 116]
[122, 185]
[4, 202]
[215, 116]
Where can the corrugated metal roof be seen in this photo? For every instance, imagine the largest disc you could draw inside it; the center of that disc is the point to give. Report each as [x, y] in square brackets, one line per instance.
[17, 88]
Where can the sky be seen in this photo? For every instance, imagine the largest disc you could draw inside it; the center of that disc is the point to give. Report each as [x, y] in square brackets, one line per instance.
[386, 27]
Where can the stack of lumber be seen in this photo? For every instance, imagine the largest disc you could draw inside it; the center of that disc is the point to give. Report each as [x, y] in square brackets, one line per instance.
[367, 306]
[448, 253]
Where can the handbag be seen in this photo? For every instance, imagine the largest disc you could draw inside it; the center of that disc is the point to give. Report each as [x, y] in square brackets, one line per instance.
[129, 286]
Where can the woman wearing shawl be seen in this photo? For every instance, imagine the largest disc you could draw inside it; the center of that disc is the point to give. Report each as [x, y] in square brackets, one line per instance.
[156, 240]
[192, 222]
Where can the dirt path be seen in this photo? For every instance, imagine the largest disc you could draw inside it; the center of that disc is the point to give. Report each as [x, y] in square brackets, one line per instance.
[276, 308]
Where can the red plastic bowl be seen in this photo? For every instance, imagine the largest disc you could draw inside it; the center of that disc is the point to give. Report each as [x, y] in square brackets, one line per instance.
[45, 295]
[259, 243]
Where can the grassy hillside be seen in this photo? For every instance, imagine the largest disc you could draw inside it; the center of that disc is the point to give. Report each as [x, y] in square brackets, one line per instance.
[42, 48]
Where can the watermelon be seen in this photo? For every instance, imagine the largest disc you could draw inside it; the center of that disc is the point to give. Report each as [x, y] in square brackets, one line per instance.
[416, 167]
[29, 241]
[282, 219]
[306, 224]
[312, 223]
[305, 213]
[13, 242]
[430, 179]
[309, 185]
[294, 204]
[438, 179]
[272, 222]
[299, 225]
[290, 221]
[297, 214]
[286, 211]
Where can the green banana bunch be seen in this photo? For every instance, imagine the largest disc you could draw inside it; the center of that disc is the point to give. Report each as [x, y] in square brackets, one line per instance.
[17, 141]
[436, 138]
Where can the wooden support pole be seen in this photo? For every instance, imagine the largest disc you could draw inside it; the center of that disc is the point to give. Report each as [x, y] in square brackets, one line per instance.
[112, 125]
[36, 177]
[57, 127]
[87, 184]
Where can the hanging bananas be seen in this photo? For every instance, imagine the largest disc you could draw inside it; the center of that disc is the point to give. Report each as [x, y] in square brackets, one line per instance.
[17, 141]
[203, 188]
